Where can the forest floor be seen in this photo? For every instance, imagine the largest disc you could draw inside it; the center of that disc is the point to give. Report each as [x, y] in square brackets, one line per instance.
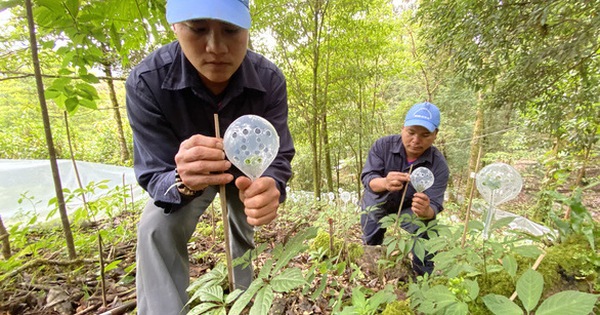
[48, 285]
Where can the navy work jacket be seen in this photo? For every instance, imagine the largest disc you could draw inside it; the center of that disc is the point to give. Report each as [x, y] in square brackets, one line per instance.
[167, 103]
[386, 155]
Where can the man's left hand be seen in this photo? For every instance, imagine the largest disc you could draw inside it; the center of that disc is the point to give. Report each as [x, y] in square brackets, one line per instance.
[260, 198]
[421, 206]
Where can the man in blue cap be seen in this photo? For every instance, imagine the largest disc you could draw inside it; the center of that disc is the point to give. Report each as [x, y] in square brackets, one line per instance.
[385, 176]
[172, 96]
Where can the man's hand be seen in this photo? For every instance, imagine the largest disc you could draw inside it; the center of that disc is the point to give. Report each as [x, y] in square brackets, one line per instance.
[201, 162]
[421, 206]
[394, 181]
[260, 198]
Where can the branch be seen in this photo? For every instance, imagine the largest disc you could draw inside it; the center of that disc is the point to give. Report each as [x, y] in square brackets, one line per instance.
[20, 75]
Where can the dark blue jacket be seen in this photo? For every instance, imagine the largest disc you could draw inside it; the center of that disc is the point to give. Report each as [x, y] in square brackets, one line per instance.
[167, 103]
[386, 155]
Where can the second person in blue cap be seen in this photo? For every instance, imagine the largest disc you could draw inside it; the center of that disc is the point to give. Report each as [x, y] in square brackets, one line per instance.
[385, 176]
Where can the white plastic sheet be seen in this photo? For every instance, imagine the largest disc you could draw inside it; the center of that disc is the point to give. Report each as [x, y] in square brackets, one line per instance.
[34, 178]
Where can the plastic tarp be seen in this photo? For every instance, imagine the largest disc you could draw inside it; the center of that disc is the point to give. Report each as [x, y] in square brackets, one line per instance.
[33, 179]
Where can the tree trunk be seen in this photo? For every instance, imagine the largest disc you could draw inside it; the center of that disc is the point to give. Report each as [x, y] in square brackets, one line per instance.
[315, 102]
[476, 143]
[48, 132]
[116, 114]
[5, 242]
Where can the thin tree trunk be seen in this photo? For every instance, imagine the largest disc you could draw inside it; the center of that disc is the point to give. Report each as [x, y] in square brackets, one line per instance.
[476, 142]
[117, 114]
[5, 241]
[315, 102]
[48, 132]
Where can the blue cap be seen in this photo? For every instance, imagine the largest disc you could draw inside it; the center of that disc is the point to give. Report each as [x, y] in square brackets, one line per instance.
[236, 12]
[423, 114]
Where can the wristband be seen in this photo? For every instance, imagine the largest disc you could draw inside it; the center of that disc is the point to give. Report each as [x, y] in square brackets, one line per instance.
[182, 188]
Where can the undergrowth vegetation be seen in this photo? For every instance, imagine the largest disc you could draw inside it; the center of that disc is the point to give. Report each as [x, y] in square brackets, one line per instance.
[311, 260]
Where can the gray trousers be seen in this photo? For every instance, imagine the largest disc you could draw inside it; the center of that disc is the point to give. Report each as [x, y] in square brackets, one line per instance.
[162, 256]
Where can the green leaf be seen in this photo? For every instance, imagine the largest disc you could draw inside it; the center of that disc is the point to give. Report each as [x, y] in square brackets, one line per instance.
[233, 295]
[262, 302]
[441, 295]
[419, 249]
[90, 78]
[529, 288]
[510, 265]
[293, 247]
[500, 223]
[530, 251]
[211, 294]
[202, 308]
[473, 288]
[568, 302]
[72, 7]
[391, 247]
[501, 305]
[245, 298]
[287, 280]
[71, 104]
[459, 308]
[87, 91]
[112, 265]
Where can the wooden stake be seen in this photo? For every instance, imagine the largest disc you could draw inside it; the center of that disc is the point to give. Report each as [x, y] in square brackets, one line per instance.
[222, 196]
[402, 200]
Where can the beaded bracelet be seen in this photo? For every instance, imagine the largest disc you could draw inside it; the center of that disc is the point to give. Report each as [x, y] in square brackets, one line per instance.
[182, 188]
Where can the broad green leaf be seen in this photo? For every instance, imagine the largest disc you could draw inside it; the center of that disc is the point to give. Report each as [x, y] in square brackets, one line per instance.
[510, 265]
[458, 308]
[202, 308]
[245, 298]
[473, 287]
[391, 248]
[114, 264]
[475, 225]
[501, 305]
[500, 223]
[233, 295]
[262, 302]
[529, 288]
[419, 249]
[530, 251]
[90, 78]
[71, 104]
[568, 302]
[72, 7]
[211, 294]
[441, 296]
[293, 247]
[287, 280]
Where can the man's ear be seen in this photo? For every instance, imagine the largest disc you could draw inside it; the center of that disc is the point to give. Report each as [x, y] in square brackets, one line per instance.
[174, 28]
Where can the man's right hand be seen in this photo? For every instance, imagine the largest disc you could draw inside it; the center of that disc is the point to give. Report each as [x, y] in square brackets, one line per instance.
[201, 162]
[394, 181]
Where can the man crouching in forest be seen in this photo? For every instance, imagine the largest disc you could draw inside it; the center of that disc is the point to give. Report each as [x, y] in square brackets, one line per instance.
[386, 173]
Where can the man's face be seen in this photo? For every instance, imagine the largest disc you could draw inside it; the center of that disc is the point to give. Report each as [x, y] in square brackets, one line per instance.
[416, 140]
[215, 48]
